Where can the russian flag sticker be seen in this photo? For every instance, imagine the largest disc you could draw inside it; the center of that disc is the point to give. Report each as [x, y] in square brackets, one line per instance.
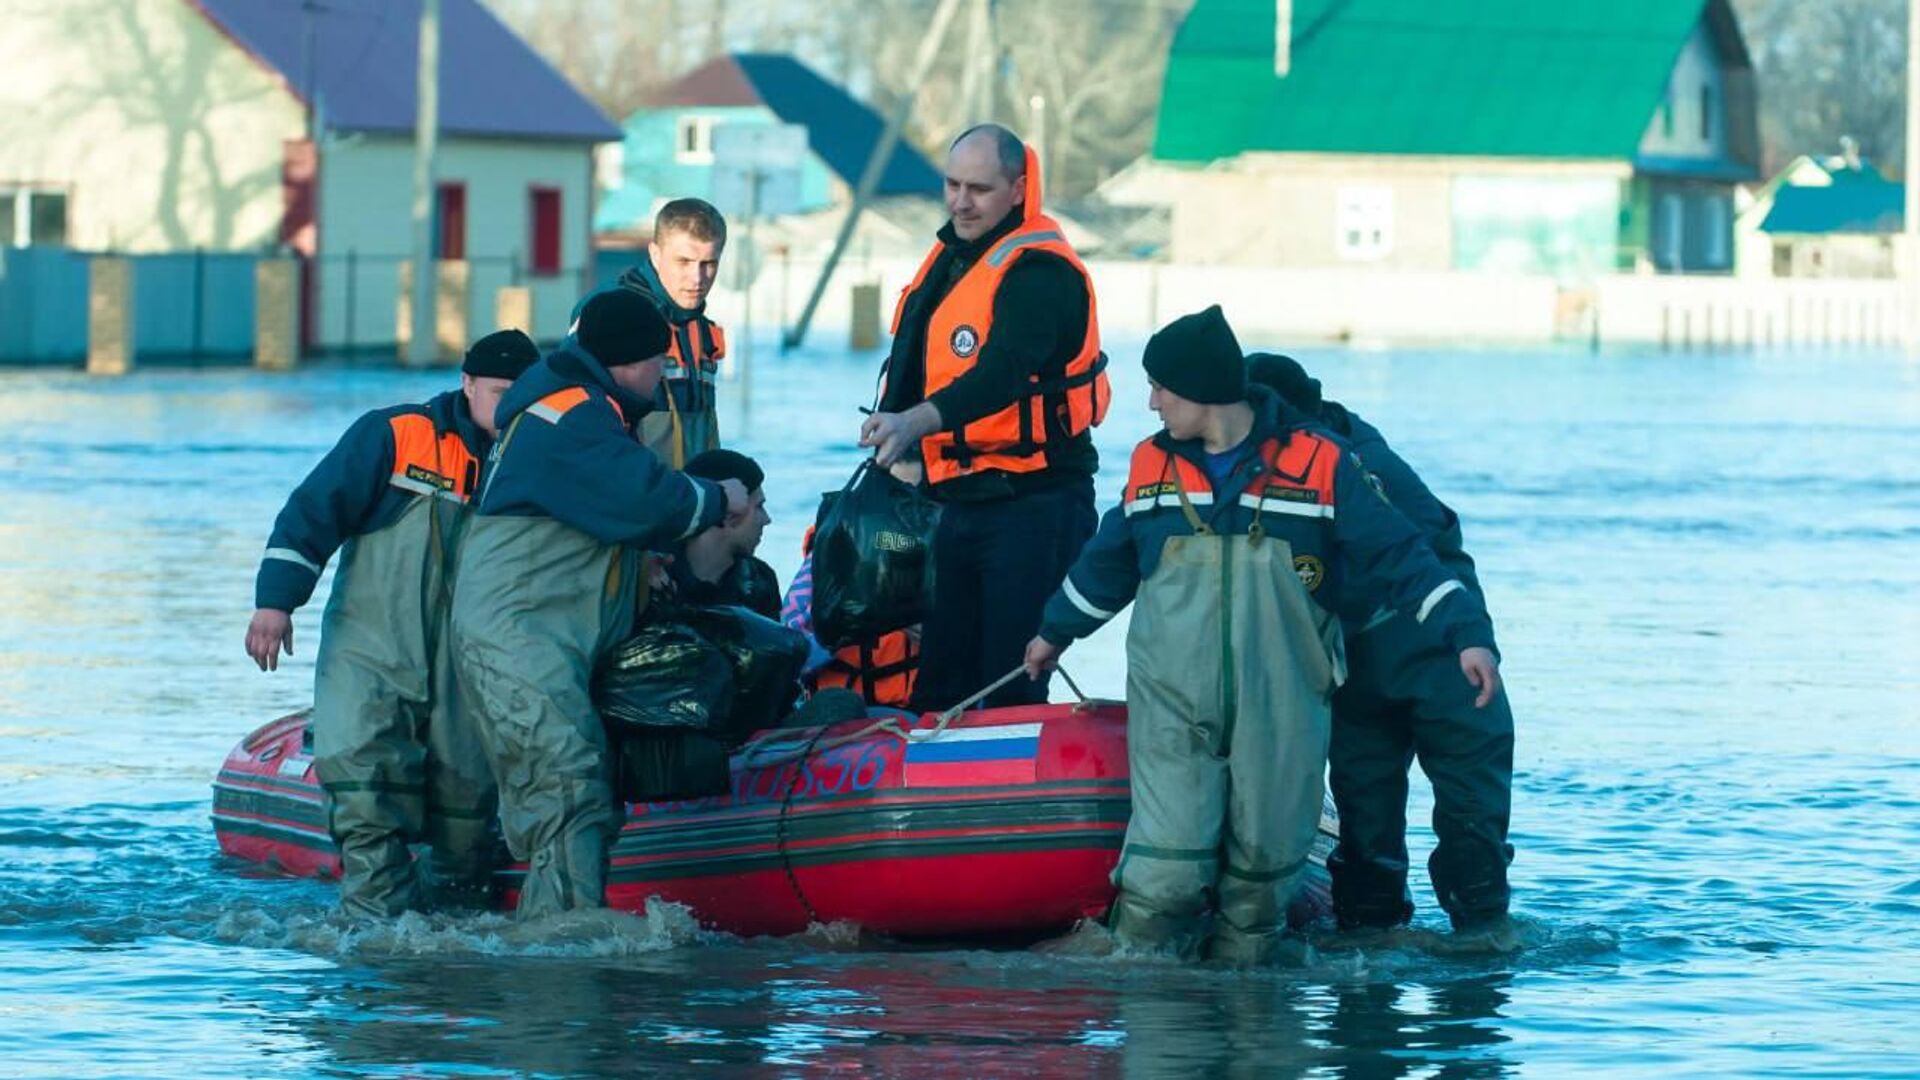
[974, 757]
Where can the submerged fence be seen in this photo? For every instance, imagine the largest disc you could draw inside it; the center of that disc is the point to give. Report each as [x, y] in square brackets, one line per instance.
[203, 305]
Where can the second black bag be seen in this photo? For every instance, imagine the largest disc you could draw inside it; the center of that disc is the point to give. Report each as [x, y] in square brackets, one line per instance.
[872, 558]
[666, 676]
[767, 659]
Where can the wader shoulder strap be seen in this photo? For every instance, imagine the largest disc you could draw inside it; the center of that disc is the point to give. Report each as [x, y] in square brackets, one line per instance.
[1199, 527]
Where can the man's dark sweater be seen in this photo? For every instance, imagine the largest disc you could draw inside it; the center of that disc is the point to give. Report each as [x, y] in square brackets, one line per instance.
[1039, 321]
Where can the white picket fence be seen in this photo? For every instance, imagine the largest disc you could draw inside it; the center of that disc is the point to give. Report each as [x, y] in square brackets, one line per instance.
[1276, 306]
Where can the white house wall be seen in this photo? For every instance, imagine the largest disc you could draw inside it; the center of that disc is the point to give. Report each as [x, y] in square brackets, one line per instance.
[164, 134]
[365, 215]
[1294, 210]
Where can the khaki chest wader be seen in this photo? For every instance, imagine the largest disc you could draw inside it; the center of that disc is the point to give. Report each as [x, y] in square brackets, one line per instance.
[1230, 668]
[539, 602]
[394, 749]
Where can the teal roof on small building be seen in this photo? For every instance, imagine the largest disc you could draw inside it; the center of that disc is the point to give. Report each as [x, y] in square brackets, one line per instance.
[1501, 78]
[1858, 201]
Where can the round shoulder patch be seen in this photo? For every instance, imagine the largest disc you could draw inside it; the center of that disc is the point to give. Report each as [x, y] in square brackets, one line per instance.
[965, 341]
[1311, 570]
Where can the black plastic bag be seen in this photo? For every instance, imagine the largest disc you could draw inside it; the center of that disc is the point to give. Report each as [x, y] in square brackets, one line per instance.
[767, 659]
[666, 676]
[872, 558]
[666, 696]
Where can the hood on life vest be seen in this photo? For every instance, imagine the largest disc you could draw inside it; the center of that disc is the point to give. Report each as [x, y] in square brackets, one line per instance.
[1031, 208]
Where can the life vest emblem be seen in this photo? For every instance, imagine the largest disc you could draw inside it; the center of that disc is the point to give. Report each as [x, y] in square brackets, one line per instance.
[965, 341]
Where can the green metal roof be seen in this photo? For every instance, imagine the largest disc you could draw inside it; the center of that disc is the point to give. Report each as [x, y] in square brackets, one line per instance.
[1504, 78]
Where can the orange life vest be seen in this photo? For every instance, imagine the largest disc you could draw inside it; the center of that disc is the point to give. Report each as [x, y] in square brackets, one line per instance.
[709, 348]
[880, 671]
[1015, 438]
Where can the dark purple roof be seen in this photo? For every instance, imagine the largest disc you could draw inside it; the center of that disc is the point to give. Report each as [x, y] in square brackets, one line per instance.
[365, 58]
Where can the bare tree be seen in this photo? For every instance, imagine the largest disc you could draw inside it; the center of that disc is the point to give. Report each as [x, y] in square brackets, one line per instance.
[1097, 63]
[1826, 70]
[618, 52]
[1099, 66]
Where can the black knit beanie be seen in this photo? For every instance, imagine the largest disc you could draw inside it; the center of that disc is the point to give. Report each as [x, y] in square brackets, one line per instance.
[503, 354]
[1284, 376]
[718, 465]
[621, 327]
[1197, 357]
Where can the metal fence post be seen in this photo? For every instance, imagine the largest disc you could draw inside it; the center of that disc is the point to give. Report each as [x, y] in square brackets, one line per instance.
[199, 300]
[353, 300]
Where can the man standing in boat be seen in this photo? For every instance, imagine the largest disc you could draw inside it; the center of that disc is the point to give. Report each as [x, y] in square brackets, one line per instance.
[1403, 700]
[994, 382]
[1241, 535]
[392, 747]
[682, 264]
[550, 579]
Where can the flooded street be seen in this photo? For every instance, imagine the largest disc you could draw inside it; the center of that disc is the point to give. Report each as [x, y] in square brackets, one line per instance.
[1704, 574]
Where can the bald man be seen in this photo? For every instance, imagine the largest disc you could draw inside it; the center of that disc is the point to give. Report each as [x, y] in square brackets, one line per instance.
[994, 383]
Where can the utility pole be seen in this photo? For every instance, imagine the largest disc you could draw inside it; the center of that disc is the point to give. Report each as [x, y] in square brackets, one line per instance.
[423, 347]
[308, 9]
[717, 28]
[877, 163]
[754, 180]
[976, 80]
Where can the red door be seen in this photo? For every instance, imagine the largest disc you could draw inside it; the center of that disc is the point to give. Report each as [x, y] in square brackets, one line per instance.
[450, 213]
[543, 211]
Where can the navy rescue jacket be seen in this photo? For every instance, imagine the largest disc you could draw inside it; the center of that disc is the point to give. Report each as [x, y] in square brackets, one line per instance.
[1405, 490]
[1408, 494]
[567, 451]
[1353, 551]
[387, 459]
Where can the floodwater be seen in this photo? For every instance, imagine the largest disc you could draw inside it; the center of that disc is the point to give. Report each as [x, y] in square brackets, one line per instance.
[1706, 576]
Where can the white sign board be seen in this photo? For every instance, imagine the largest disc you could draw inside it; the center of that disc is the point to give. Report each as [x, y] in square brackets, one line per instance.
[756, 168]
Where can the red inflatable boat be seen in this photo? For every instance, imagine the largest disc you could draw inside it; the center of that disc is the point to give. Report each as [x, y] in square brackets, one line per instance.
[1004, 821]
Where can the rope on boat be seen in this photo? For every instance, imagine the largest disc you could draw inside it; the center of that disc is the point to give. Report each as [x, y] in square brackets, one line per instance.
[888, 725]
[780, 833]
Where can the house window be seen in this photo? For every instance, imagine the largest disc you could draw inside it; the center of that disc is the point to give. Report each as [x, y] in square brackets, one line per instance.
[693, 142]
[610, 166]
[1364, 223]
[1718, 223]
[543, 211]
[1706, 113]
[450, 222]
[32, 217]
[1669, 230]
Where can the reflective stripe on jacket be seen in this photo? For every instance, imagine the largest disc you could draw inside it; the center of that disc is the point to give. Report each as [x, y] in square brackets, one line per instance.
[381, 465]
[1352, 550]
